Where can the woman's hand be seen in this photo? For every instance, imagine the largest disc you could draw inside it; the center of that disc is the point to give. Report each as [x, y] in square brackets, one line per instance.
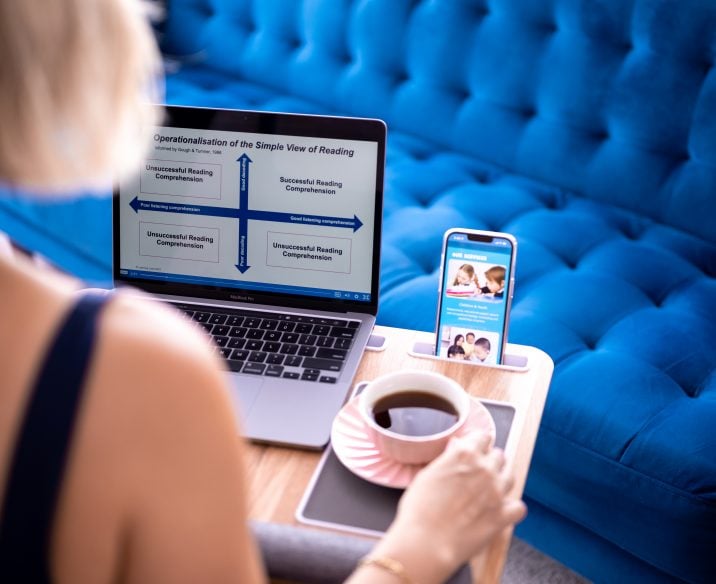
[452, 510]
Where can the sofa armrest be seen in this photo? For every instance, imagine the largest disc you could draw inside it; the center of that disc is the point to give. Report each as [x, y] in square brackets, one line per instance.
[296, 554]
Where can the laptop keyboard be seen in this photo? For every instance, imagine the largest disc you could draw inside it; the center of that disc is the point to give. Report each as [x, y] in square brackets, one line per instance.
[309, 348]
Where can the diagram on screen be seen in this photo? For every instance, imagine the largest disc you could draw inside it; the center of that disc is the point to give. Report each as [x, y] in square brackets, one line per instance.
[244, 215]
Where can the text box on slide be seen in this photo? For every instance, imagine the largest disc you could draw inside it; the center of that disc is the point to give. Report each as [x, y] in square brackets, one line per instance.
[308, 252]
[179, 242]
[181, 179]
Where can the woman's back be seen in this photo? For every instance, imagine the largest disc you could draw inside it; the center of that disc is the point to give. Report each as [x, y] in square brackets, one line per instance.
[153, 480]
[42, 444]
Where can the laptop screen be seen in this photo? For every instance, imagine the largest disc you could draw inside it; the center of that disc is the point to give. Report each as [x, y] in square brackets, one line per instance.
[255, 206]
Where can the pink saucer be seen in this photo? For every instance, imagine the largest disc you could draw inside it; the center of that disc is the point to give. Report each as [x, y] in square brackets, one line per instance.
[355, 448]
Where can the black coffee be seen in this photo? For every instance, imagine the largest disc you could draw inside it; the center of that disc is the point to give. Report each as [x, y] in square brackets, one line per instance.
[414, 413]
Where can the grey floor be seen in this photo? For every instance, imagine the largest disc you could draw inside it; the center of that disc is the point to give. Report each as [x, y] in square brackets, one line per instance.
[526, 565]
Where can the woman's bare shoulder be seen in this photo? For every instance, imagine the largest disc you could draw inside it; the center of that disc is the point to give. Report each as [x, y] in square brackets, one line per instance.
[160, 355]
[136, 319]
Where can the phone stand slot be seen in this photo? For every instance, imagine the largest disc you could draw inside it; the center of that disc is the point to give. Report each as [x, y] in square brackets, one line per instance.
[512, 361]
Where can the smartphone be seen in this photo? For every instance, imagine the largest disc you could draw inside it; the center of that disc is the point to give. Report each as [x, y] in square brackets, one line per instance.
[475, 295]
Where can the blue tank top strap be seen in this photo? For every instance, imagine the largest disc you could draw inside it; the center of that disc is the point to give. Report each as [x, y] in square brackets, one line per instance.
[43, 444]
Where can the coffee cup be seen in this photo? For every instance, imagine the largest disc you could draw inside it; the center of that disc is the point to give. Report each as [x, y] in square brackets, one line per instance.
[411, 415]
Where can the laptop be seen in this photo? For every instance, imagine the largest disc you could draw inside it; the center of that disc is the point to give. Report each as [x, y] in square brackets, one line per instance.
[263, 228]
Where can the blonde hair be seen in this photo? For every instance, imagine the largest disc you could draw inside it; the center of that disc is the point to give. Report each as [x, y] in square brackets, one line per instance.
[78, 78]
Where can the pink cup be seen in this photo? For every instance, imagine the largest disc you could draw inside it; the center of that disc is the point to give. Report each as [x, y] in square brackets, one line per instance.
[405, 448]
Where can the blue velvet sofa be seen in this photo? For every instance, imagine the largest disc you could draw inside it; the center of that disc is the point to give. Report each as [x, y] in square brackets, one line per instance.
[587, 128]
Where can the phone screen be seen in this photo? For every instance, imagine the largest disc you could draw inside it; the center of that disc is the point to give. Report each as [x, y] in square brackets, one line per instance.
[475, 296]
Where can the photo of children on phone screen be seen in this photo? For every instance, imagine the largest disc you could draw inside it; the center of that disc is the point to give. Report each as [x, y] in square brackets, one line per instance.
[470, 280]
[469, 345]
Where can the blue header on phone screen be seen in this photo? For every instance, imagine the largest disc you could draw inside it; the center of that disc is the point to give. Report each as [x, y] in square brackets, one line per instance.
[474, 303]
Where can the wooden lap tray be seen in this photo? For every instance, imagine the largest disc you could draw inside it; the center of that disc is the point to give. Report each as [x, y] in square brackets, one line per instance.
[338, 499]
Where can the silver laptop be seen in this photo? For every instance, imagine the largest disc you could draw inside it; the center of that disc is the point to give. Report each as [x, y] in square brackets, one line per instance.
[264, 228]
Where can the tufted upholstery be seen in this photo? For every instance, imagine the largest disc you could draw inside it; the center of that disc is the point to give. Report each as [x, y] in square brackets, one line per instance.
[587, 128]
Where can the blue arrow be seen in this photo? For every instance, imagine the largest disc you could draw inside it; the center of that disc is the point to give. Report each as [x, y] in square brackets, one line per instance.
[139, 205]
[355, 224]
[244, 162]
[242, 266]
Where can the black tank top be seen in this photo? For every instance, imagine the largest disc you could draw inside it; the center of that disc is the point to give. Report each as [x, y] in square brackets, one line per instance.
[44, 441]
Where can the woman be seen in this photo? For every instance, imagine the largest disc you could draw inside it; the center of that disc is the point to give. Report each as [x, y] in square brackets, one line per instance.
[146, 481]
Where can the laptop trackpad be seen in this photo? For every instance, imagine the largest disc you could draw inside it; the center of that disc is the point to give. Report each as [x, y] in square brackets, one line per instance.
[244, 391]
